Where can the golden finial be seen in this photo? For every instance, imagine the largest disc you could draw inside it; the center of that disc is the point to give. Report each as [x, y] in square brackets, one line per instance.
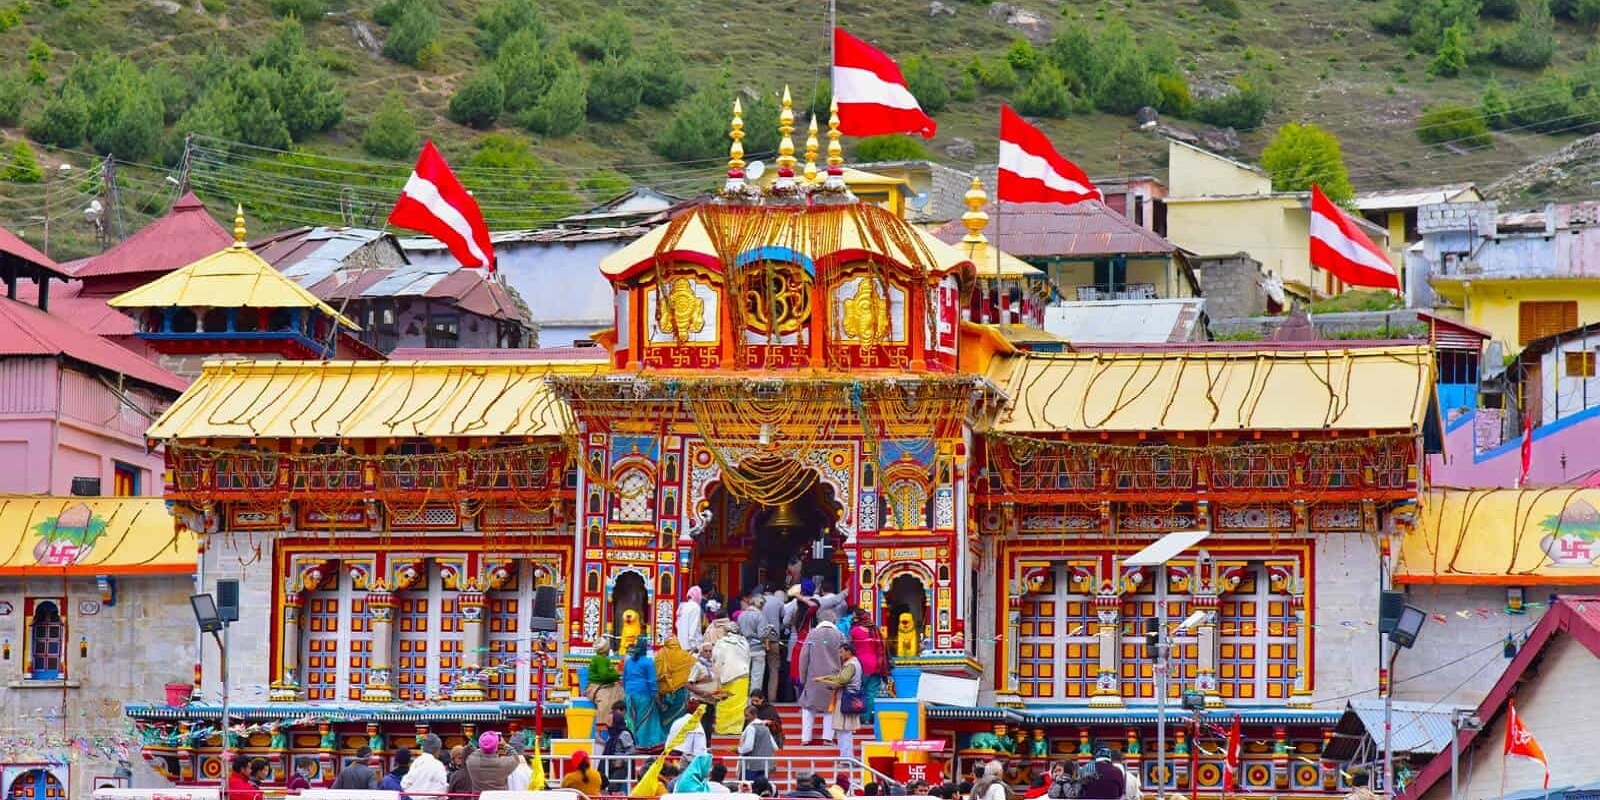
[238, 225]
[736, 133]
[835, 150]
[976, 219]
[785, 131]
[812, 146]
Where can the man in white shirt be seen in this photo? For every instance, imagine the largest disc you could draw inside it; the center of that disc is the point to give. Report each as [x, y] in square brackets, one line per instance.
[427, 775]
[1132, 786]
[694, 742]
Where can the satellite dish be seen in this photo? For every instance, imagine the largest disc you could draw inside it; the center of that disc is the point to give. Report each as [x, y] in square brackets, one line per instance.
[755, 170]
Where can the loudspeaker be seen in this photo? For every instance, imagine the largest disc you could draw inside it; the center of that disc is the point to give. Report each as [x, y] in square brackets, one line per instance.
[1390, 604]
[228, 599]
[546, 599]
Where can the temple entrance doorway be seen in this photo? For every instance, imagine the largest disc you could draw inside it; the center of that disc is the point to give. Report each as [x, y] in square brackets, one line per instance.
[748, 543]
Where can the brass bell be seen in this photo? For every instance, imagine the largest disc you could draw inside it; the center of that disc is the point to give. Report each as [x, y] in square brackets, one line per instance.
[786, 517]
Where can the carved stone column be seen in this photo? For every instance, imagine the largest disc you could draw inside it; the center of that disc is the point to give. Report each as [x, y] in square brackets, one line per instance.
[380, 680]
[1108, 686]
[469, 684]
[286, 689]
[1206, 645]
[1300, 694]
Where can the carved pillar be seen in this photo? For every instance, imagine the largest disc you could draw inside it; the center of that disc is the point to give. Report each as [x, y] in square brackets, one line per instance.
[327, 757]
[287, 688]
[1107, 687]
[1280, 758]
[380, 683]
[1300, 694]
[1205, 678]
[469, 684]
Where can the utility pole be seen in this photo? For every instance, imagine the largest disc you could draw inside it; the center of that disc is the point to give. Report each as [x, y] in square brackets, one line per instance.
[108, 178]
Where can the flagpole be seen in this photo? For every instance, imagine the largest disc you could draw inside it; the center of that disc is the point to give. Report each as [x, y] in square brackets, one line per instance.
[999, 214]
[833, 24]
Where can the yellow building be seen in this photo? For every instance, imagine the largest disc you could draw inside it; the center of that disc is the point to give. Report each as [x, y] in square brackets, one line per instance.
[1218, 205]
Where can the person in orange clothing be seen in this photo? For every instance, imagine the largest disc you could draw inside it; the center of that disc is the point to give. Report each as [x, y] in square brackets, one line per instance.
[581, 776]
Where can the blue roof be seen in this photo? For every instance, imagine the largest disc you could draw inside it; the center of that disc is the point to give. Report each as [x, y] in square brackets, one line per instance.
[351, 712]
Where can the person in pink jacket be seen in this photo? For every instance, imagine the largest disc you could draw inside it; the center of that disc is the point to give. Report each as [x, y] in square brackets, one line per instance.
[869, 651]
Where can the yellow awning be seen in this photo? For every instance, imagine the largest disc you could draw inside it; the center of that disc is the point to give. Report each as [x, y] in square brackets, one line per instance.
[371, 399]
[44, 536]
[232, 278]
[1513, 537]
[1216, 388]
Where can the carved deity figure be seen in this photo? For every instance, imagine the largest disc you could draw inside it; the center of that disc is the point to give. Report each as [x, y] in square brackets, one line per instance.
[906, 642]
[631, 629]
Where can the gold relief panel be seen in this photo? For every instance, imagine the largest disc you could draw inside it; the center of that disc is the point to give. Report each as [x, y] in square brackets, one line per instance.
[682, 309]
[775, 300]
[867, 312]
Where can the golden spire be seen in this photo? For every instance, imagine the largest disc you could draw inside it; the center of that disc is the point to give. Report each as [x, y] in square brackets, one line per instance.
[736, 150]
[835, 150]
[786, 142]
[812, 146]
[238, 225]
[976, 219]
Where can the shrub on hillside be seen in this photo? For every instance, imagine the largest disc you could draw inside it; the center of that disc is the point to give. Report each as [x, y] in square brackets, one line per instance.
[528, 66]
[498, 22]
[479, 101]
[1125, 84]
[992, 74]
[666, 80]
[699, 128]
[1492, 106]
[14, 93]
[1451, 58]
[1545, 106]
[415, 27]
[1452, 123]
[21, 165]
[1174, 92]
[1022, 56]
[560, 110]
[304, 10]
[392, 131]
[1302, 156]
[895, 147]
[1586, 13]
[61, 122]
[1423, 22]
[1243, 108]
[1225, 8]
[1072, 49]
[1531, 43]
[930, 88]
[1499, 9]
[609, 38]
[616, 87]
[1046, 94]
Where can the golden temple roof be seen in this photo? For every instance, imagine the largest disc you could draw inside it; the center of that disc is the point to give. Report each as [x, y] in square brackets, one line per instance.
[45, 536]
[234, 277]
[371, 399]
[988, 261]
[1216, 388]
[1512, 537]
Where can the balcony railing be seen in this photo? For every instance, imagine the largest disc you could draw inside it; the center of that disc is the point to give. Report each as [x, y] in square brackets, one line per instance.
[1126, 291]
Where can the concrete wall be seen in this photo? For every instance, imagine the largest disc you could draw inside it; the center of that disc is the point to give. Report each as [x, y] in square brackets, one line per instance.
[1231, 285]
[1192, 172]
[249, 653]
[1563, 452]
[59, 424]
[1555, 709]
[1346, 585]
[1273, 230]
[1493, 305]
[135, 647]
[1161, 273]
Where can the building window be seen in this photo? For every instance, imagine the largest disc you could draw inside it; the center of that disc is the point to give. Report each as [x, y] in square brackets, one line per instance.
[444, 332]
[125, 480]
[1538, 319]
[1580, 363]
[47, 635]
[1110, 274]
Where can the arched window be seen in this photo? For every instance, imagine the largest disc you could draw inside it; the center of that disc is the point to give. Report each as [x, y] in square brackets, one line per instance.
[47, 635]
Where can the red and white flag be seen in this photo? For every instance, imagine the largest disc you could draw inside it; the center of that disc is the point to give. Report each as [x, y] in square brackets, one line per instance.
[435, 203]
[1339, 246]
[1520, 742]
[1527, 447]
[1230, 764]
[1031, 171]
[872, 95]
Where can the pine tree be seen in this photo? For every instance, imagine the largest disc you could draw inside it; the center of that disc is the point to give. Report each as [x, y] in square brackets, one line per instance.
[666, 82]
[22, 166]
[926, 84]
[1451, 59]
[1047, 94]
[479, 101]
[62, 121]
[561, 110]
[392, 132]
[615, 89]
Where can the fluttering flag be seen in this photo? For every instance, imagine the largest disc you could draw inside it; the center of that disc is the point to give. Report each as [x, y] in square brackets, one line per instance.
[649, 784]
[1339, 246]
[872, 95]
[1230, 764]
[1520, 742]
[1031, 171]
[1527, 447]
[435, 203]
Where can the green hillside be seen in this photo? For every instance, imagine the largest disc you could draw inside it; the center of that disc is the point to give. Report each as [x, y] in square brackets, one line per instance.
[133, 76]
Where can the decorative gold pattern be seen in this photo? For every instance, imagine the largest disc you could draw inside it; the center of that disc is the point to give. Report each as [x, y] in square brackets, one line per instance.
[776, 298]
[866, 313]
[681, 312]
[812, 146]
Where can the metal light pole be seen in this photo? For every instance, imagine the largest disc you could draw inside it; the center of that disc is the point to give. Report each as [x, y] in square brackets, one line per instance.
[212, 622]
[1460, 720]
[1404, 634]
[1157, 554]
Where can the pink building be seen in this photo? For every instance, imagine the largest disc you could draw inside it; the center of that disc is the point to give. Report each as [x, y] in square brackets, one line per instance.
[73, 406]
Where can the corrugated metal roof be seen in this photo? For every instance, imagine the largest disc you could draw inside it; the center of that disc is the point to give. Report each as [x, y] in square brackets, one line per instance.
[184, 235]
[539, 236]
[12, 245]
[27, 331]
[1420, 728]
[1143, 321]
[317, 254]
[1081, 230]
[1412, 197]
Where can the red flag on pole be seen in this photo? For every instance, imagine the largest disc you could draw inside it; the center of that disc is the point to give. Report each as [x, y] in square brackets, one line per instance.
[1520, 742]
[1339, 246]
[873, 96]
[1230, 767]
[435, 203]
[1527, 447]
[1031, 171]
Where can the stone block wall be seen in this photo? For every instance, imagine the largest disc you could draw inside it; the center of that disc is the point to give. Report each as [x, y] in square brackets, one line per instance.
[1346, 587]
[135, 647]
[1478, 218]
[248, 558]
[1231, 285]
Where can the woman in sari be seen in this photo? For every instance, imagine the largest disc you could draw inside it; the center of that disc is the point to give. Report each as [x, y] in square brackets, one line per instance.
[639, 690]
[730, 658]
[672, 679]
[696, 778]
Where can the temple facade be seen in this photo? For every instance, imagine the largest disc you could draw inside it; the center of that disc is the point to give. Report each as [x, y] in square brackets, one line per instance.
[793, 386]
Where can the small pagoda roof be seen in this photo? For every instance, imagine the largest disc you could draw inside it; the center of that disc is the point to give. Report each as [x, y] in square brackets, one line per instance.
[185, 234]
[234, 277]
